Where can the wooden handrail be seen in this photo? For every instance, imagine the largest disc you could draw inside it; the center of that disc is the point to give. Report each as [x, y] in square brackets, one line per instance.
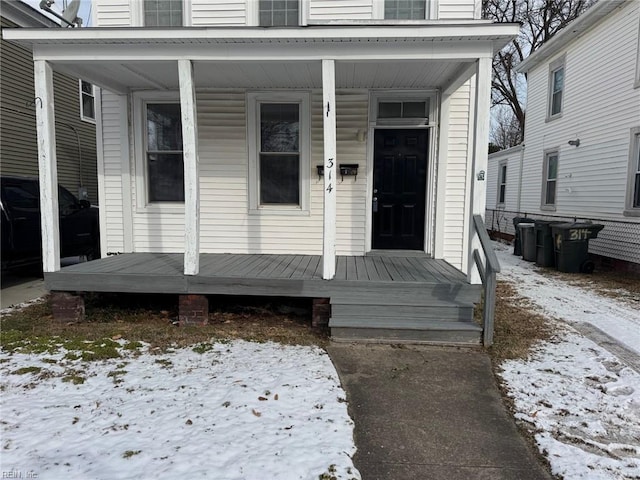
[488, 277]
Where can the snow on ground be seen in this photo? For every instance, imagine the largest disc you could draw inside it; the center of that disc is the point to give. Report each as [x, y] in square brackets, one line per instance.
[239, 410]
[570, 303]
[580, 400]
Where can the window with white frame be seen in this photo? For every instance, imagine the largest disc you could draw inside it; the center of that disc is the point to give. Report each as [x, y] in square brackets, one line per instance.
[550, 179]
[405, 9]
[279, 13]
[87, 102]
[403, 111]
[163, 13]
[279, 151]
[556, 88]
[502, 182]
[164, 164]
[633, 189]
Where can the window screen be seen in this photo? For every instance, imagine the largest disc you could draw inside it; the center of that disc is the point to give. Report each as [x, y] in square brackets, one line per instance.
[165, 165]
[163, 13]
[278, 13]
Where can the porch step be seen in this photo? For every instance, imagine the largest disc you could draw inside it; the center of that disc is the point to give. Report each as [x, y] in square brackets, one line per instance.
[446, 313]
[444, 324]
[466, 334]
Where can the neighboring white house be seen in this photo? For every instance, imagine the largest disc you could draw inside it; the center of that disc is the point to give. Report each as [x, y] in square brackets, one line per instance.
[212, 135]
[581, 151]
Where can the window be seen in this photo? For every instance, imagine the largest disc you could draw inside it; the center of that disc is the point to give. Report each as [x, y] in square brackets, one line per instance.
[278, 13]
[163, 13]
[414, 111]
[87, 102]
[279, 146]
[633, 189]
[502, 183]
[163, 152]
[556, 88]
[405, 9]
[550, 179]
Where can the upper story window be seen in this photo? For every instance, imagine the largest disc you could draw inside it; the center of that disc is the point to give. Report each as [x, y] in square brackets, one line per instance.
[550, 180]
[279, 13]
[163, 13]
[87, 102]
[405, 9]
[502, 183]
[556, 88]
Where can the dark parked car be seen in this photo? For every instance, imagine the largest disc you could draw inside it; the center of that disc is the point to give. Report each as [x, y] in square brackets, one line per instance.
[21, 235]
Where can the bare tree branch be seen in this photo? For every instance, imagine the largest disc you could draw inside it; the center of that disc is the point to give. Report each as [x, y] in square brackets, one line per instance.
[540, 21]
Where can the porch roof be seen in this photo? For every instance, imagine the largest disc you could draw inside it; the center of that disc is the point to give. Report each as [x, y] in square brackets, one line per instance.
[426, 55]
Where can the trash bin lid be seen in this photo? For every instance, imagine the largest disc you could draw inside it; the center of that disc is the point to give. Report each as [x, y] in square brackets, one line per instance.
[526, 225]
[577, 231]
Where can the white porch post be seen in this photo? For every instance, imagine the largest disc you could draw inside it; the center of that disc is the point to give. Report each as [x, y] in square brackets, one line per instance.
[48, 170]
[480, 154]
[330, 167]
[191, 177]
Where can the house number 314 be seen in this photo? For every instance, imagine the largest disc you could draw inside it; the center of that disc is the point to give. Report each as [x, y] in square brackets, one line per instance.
[579, 233]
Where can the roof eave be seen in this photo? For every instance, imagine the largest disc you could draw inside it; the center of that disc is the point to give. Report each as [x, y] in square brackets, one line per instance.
[571, 32]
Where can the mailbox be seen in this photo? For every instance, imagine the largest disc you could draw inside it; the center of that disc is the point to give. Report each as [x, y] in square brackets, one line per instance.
[349, 169]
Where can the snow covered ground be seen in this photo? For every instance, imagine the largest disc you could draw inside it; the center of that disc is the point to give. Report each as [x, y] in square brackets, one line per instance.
[238, 410]
[581, 399]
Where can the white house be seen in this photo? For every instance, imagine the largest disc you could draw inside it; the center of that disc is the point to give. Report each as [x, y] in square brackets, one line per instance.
[349, 131]
[581, 151]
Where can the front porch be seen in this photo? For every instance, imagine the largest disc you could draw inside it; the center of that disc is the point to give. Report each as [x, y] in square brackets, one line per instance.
[393, 297]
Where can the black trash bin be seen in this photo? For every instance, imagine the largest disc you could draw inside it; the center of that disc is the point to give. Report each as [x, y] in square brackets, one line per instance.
[528, 236]
[545, 252]
[517, 243]
[571, 244]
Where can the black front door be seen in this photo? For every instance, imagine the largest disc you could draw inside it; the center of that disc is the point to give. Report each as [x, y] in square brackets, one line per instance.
[399, 185]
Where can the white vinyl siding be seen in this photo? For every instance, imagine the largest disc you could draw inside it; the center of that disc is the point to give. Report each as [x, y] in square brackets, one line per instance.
[457, 9]
[226, 225]
[456, 185]
[112, 13]
[112, 131]
[122, 13]
[600, 108]
[206, 13]
[340, 10]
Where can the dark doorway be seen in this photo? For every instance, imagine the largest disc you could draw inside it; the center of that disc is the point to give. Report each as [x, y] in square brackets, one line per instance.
[399, 187]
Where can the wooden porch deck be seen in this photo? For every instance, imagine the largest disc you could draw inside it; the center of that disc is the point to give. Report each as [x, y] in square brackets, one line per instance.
[404, 297]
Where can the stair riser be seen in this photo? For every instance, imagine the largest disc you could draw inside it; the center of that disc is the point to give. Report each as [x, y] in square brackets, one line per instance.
[411, 295]
[461, 314]
[405, 336]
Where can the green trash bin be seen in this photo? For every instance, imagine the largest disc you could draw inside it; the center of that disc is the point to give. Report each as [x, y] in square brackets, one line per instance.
[545, 252]
[528, 238]
[571, 244]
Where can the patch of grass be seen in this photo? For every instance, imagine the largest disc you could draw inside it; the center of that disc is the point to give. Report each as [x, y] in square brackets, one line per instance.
[149, 319]
[165, 362]
[26, 370]
[203, 348]
[619, 285]
[74, 378]
[517, 325]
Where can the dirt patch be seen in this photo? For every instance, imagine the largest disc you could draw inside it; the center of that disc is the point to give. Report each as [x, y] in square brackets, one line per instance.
[152, 319]
[623, 286]
[517, 330]
[517, 326]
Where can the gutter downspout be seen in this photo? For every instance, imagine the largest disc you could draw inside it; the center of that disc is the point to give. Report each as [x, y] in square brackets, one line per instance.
[522, 146]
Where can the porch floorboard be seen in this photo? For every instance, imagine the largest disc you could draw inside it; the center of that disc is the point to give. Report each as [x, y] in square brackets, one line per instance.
[290, 270]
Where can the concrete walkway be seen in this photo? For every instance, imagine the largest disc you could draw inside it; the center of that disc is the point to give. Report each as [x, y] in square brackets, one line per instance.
[20, 289]
[430, 413]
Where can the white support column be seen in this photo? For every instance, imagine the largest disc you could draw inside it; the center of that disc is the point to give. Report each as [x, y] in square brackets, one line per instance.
[48, 171]
[480, 153]
[191, 177]
[330, 168]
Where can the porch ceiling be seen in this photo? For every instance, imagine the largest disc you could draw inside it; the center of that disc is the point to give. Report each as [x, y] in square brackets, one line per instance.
[163, 75]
